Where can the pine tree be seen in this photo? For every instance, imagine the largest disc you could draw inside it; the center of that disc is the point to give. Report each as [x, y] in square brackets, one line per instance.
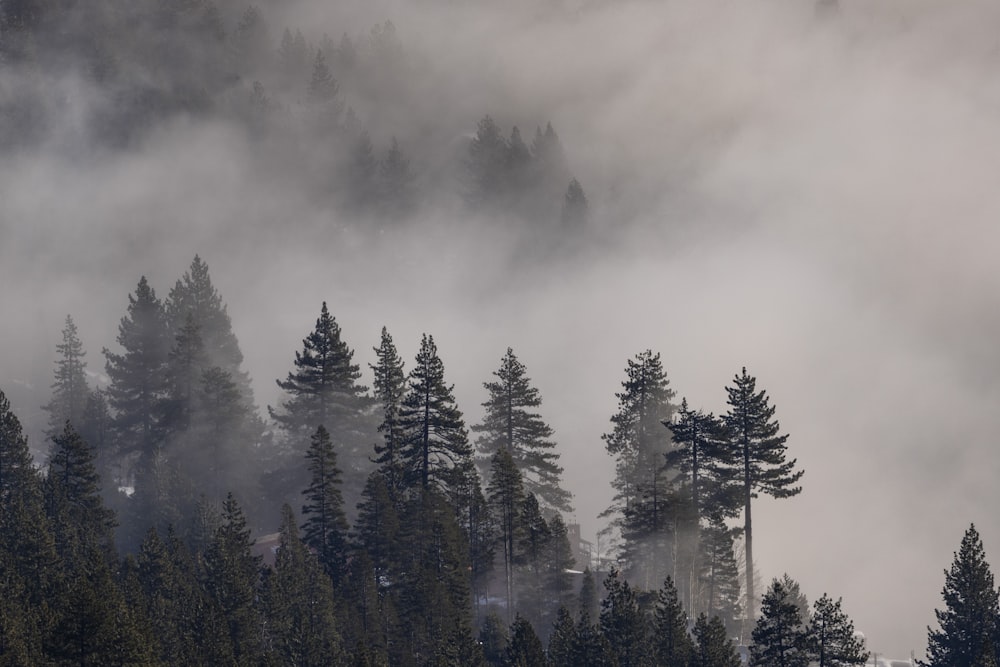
[435, 436]
[137, 383]
[968, 624]
[377, 526]
[233, 578]
[18, 477]
[531, 549]
[591, 648]
[702, 456]
[298, 603]
[323, 88]
[486, 164]
[700, 462]
[323, 390]
[575, 208]
[713, 648]
[170, 593]
[760, 457]
[493, 639]
[672, 645]
[506, 495]
[69, 391]
[524, 648]
[640, 508]
[562, 639]
[558, 561]
[779, 638]
[195, 297]
[517, 166]
[718, 575]
[511, 423]
[325, 527]
[389, 389]
[622, 622]
[432, 585]
[73, 499]
[832, 637]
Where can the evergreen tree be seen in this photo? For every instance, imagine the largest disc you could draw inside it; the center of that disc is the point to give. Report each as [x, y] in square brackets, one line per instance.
[298, 603]
[493, 639]
[532, 547]
[137, 385]
[233, 578]
[377, 526]
[194, 299]
[524, 648]
[702, 456]
[96, 431]
[760, 457]
[713, 648]
[592, 648]
[641, 504]
[672, 645]
[779, 638]
[73, 498]
[575, 209]
[511, 423]
[323, 390]
[832, 637]
[968, 623]
[506, 495]
[325, 527]
[69, 391]
[562, 640]
[435, 438]
[558, 561]
[18, 477]
[517, 164]
[250, 44]
[170, 594]
[718, 575]
[486, 164]
[432, 589]
[321, 94]
[389, 389]
[622, 622]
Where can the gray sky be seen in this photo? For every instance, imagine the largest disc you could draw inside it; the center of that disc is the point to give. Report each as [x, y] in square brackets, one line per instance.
[814, 199]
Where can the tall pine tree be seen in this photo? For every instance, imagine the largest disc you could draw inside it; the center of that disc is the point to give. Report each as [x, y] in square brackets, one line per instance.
[69, 390]
[435, 439]
[760, 458]
[512, 423]
[967, 634]
[640, 509]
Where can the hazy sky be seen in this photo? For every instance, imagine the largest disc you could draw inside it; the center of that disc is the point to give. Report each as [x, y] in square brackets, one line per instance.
[812, 198]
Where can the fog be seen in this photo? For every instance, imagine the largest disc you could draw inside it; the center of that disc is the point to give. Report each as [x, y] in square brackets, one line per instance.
[809, 194]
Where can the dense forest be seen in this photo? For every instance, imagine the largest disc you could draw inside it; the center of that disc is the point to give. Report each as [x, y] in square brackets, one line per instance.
[404, 536]
[162, 515]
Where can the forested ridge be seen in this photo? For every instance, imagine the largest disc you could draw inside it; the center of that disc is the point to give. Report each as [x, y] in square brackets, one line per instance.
[404, 536]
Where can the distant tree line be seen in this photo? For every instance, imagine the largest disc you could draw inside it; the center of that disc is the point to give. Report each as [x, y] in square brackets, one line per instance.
[149, 62]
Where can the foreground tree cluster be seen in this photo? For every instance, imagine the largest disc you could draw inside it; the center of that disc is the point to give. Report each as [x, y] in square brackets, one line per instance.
[404, 537]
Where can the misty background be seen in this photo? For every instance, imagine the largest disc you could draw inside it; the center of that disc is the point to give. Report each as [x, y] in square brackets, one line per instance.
[809, 193]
